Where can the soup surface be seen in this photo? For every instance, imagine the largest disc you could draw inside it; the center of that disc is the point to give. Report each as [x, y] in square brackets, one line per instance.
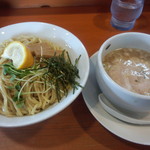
[130, 68]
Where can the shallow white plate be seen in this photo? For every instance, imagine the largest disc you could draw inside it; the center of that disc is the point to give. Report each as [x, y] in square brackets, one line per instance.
[67, 41]
[133, 133]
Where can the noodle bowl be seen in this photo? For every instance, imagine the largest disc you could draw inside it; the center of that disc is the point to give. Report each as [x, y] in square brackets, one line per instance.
[60, 37]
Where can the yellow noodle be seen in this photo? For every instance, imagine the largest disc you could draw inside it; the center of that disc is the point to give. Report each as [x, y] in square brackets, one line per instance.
[35, 96]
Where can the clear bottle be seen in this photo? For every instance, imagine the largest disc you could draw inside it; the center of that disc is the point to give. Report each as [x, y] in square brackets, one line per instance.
[125, 12]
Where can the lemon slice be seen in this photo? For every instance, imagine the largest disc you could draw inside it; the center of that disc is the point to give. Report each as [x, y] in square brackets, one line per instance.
[19, 54]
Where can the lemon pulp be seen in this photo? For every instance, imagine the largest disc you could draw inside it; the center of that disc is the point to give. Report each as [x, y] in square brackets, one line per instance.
[19, 54]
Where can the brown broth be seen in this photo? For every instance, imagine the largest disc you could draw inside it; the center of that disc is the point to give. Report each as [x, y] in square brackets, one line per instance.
[130, 68]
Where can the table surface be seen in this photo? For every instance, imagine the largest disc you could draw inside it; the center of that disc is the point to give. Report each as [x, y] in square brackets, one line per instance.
[74, 128]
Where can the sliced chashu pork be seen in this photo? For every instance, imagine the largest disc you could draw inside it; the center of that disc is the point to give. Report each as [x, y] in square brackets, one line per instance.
[43, 49]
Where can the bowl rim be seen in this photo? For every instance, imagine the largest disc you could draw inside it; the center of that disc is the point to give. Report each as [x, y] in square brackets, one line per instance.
[100, 65]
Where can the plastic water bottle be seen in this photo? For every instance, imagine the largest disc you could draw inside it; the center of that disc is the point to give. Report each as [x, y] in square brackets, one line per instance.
[125, 12]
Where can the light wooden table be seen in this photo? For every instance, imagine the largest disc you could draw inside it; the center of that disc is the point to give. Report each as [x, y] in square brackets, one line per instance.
[74, 128]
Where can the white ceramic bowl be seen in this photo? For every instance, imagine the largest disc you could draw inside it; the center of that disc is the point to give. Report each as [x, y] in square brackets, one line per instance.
[66, 40]
[121, 97]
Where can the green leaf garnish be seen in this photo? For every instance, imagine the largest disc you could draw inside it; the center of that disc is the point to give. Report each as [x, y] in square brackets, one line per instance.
[57, 71]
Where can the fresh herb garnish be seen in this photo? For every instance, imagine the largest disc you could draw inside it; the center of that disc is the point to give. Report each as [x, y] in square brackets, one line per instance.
[57, 71]
[9, 69]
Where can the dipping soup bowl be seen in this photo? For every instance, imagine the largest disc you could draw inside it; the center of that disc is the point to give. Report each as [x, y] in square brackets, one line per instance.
[120, 97]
